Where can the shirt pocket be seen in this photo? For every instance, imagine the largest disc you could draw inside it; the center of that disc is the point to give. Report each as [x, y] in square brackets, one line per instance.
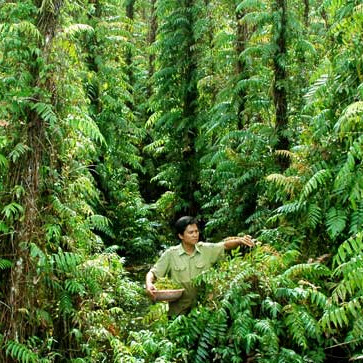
[200, 265]
[179, 273]
[179, 268]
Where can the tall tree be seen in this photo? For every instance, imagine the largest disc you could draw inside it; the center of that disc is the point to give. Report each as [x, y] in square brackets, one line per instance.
[280, 79]
[242, 36]
[37, 109]
[175, 101]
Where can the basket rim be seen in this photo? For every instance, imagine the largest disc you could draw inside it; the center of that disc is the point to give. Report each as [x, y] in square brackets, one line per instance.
[168, 290]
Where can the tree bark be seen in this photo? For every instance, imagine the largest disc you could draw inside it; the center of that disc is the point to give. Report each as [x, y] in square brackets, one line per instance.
[306, 13]
[151, 39]
[22, 292]
[190, 170]
[242, 37]
[129, 64]
[279, 85]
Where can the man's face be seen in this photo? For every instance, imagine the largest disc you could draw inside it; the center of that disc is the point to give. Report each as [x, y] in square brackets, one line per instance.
[190, 235]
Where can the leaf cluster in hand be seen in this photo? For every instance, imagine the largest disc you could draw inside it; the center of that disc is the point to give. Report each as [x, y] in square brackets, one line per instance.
[164, 283]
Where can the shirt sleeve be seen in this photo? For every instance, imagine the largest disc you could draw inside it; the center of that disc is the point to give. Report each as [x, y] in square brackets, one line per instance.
[214, 251]
[162, 265]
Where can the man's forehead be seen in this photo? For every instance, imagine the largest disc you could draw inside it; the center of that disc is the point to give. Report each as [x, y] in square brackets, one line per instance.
[191, 227]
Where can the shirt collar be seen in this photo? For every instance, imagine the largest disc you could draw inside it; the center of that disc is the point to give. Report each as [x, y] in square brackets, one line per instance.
[181, 250]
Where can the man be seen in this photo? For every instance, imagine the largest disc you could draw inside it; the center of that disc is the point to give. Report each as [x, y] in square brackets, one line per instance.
[187, 260]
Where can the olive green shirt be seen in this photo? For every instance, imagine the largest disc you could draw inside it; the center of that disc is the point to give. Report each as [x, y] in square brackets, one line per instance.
[182, 268]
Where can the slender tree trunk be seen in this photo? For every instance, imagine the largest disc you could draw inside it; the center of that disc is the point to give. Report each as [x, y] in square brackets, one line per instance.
[306, 12]
[190, 170]
[280, 80]
[151, 39]
[22, 291]
[129, 63]
[242, 37]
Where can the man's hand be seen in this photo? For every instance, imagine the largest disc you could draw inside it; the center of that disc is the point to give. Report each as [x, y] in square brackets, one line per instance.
[247, 241]
[150, 287]
[150, 290]
[233, 242]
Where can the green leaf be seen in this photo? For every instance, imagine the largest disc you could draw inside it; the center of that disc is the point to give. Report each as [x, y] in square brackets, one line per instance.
[318, 180]
[12, 210]
[45, 111]
[3, 161]
[336, 221]
[19, 150]
[4, 264]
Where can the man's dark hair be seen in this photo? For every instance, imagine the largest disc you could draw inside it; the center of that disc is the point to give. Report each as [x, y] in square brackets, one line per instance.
[182, 223]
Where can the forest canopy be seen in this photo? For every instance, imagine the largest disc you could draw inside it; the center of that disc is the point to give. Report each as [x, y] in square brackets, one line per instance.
[119, 116]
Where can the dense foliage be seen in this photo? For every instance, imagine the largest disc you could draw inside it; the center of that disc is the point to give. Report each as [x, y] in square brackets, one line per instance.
[117, 116]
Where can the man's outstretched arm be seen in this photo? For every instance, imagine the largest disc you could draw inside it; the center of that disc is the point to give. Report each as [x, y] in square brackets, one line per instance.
[233, 242]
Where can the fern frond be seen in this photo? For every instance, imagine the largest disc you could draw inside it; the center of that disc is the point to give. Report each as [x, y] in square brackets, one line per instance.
[4, 264]
[83, 185]
[288, 154]
[53, 231]
[304, 46]
[3, 162]
[289, 257]
[293, 207]
[288, 183]
[157, 147]
[341, 316]
[250, 5]
[18, 151]
[351, 283]
[101, 223]
[350, 119]
[65, 303]
[26, 28]
[204, 345]
[12, 210]
[74, 29]
[349, 248]
[75, 287]
[289, 356]
[302, 325]
[336, 221]
[62, 209]
[268, 335]
[309, 270]
[87, 126]
[318, 298]
[254, 18]
[296, 328]
[318, 87]
[45, 111]
[66, 261]
[295, 294]
[273, 307]
[319, 179]
[314, 215]
[153, 119]
[356, 222]
[249, 84]
[357, 331]
[21, 352]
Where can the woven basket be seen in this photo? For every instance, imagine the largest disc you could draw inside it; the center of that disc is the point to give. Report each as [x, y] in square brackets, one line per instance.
[168, 295]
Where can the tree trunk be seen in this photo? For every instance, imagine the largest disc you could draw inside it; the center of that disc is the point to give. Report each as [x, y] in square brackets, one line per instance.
[129, 65]
[22, 289]
[151, 39]
[242, 37]
[190, 170]
[279, 85]
[306, 13]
